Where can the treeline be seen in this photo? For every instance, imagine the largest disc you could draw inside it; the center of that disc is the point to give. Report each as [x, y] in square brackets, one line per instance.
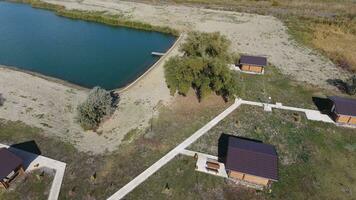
[203, 67]
[99, 17]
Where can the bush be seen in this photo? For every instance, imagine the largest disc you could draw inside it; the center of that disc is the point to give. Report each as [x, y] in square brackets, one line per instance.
[351, 85]
[204, 67]
[99, 103]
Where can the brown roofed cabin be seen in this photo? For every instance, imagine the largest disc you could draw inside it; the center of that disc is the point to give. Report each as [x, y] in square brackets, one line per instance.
[250, 161]
[255, 64]
[10, 167]
[343, 110]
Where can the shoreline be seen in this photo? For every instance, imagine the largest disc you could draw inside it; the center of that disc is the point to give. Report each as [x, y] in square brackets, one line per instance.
[45, 77]
[97, 17]
[159, 61]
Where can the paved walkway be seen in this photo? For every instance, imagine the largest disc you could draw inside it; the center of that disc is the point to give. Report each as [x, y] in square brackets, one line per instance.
[201, 163]
[173, 153]
[33, 162]
[314, 115]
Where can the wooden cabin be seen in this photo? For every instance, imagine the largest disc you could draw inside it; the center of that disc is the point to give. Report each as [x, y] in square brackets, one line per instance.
[255, 64]
[343, 110]
[251, 161]
[10, 167]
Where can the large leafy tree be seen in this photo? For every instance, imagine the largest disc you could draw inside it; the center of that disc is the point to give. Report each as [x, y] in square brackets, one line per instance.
[204, 67]
[206, 45]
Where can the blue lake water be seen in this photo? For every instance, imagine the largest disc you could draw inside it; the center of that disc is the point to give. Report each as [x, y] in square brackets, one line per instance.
[80, 52]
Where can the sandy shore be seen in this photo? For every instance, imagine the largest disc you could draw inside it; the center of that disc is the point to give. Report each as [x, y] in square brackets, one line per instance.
[51, 106]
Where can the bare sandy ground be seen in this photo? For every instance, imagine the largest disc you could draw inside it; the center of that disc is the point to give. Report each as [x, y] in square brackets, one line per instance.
[52, 105]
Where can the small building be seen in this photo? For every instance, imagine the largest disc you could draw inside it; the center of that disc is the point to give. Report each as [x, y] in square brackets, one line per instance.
[10, 167]
[254, 64]
[251, 161]
[343, 110]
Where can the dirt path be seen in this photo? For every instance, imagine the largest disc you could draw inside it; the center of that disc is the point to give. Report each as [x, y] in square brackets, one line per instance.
[251, 34]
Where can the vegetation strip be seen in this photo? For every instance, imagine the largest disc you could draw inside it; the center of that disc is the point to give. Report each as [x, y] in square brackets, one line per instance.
[98, 17]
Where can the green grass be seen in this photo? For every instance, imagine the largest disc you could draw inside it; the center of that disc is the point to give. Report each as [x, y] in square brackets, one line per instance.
[179, 180]
[316, 160]
[114, 170]
[35, 185]
[99, 17]
[279, 87]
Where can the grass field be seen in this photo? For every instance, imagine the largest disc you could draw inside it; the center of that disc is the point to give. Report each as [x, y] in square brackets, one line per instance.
[317, 160]
[279, 87]
[99, 176]
[35, 185]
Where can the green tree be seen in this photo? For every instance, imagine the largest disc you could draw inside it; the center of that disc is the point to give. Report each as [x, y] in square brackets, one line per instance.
[206, 45]
[98, 104]
[203, 67]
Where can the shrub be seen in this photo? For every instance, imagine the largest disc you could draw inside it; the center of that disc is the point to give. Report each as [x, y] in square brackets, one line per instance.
[99, 103]
[351, 85]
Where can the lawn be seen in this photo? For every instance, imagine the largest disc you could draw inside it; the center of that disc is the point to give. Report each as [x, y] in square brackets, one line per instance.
[34, 185]
[316, 160]
[280, 88]
[90, 176]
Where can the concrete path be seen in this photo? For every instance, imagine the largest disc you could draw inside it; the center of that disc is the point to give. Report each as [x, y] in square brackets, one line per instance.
[201, 163]
[173, 153]
[314, 115]
[33, 162]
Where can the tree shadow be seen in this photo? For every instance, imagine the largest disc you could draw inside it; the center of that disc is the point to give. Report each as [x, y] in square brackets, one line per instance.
[324, 105]
[223, 144]
[2, 100]
[27, 151]
[338, 83]
[115, 99]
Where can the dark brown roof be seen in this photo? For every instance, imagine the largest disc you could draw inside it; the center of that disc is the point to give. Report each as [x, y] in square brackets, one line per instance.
[344, 106]
[253, 60]
[252, 158]
[8, 162]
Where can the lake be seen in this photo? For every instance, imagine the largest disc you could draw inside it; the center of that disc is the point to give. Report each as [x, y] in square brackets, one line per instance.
[84, 53]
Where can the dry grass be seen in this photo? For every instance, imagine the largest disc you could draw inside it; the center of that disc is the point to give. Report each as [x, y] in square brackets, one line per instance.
[308, 21]
[338, 44]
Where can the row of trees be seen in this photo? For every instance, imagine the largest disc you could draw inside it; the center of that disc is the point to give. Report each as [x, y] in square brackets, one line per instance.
[203, 67]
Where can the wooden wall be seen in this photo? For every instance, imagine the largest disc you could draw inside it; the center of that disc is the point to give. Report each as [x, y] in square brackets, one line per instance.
[252, 68]
[346, 119]
[248, 178]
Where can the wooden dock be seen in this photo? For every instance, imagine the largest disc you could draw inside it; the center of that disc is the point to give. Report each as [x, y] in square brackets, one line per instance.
[157, 54]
